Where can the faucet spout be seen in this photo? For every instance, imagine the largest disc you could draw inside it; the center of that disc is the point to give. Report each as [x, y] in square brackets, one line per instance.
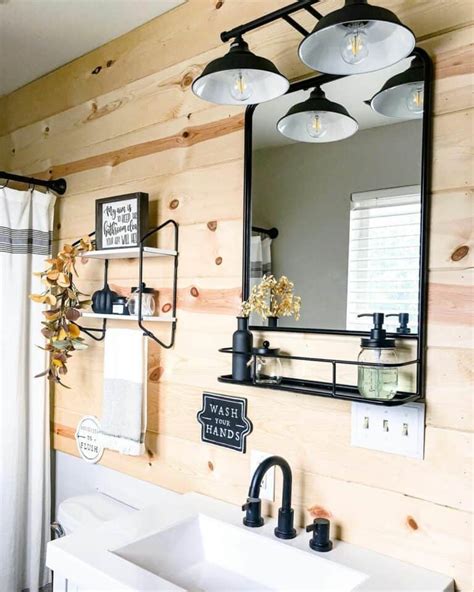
[253, 518]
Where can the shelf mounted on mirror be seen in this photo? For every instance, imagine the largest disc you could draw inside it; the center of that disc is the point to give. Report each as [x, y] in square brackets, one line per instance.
[319, 388]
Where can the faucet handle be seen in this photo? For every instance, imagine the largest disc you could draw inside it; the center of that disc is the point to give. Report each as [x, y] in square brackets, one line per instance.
[320, 540]
[253, 512]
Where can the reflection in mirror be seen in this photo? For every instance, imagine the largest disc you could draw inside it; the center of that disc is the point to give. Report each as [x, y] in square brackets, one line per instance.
[347, 211]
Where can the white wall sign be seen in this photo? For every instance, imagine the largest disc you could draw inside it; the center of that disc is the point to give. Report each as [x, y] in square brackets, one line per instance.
[88, 439]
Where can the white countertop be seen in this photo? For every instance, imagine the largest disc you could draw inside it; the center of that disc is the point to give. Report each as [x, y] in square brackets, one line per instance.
[86, 557]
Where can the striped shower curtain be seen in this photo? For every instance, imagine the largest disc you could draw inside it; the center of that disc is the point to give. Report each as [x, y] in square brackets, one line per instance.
[26, 219]
[260, 265]
[260, 258]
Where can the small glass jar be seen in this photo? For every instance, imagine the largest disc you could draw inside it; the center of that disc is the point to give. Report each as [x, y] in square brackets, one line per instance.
[148, 301]
[119, 306]
[266, 368]
[375, 382]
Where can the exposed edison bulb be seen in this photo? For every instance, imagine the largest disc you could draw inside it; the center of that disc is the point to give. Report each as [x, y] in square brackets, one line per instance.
[240, 89]
[415, 99]
[355, 45]
[315, 126]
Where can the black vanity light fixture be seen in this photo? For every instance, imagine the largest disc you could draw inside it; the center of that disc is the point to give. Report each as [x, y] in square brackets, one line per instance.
[402, 95]
[317, 119]
[355, 39]
[240, 78]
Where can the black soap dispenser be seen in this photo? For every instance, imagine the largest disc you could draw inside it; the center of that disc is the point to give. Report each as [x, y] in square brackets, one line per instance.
[403, 320]
[375, 381]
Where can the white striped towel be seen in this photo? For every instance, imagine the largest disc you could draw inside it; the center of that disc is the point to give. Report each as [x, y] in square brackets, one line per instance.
[123, 424]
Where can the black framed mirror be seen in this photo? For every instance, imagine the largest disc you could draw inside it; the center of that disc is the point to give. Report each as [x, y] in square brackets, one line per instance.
[343, 211]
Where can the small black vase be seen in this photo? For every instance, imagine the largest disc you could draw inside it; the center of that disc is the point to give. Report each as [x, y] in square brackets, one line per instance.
[242, 341]
[272, 321]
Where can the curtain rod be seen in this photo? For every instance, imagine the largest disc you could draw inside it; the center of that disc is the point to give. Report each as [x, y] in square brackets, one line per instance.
[59, 186]
[271, 232]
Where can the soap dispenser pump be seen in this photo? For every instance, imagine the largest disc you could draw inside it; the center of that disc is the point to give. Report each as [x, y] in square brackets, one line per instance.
[377, 382]
[403, 319]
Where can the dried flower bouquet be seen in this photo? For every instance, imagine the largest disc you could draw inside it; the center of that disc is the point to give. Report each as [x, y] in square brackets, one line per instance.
[273, 298]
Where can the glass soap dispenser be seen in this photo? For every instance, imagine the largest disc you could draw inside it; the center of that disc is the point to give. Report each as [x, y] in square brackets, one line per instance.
[375, 382]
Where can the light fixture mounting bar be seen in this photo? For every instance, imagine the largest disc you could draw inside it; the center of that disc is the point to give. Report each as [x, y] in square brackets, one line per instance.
[291, 21]
[281, 13]
[317, 15]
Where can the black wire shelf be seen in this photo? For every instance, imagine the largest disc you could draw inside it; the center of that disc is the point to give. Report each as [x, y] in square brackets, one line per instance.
[139, 253]
[333, 389]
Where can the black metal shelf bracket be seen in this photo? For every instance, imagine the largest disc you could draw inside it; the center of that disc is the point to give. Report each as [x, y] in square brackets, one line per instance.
[327, 389]
[146, 331]
[89, 331]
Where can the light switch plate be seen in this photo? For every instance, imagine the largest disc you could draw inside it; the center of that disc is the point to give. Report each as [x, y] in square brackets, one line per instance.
[267, 490]
[397, 430]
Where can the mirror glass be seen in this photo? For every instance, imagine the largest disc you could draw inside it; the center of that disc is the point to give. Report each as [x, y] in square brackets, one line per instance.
[347, 211]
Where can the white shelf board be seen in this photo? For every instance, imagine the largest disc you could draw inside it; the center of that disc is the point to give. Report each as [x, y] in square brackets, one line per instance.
[117, 317]
[129, 253]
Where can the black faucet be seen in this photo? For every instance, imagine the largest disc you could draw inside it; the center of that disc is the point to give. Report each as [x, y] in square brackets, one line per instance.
[253, 507]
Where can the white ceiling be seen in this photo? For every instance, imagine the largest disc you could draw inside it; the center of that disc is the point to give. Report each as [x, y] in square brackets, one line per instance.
[38, 36]
[351, 92]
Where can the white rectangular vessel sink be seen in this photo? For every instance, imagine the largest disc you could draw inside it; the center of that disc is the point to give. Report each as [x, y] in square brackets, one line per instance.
[202, 554]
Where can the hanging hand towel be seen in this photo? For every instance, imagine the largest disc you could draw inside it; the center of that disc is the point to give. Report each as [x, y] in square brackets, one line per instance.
[123, 424]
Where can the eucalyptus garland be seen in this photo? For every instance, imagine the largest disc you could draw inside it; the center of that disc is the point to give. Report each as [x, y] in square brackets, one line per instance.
[66, 301]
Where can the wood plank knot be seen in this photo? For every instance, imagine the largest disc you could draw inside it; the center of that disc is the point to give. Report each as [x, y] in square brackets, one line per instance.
[460, 253]
[320, 512]
[156, 374]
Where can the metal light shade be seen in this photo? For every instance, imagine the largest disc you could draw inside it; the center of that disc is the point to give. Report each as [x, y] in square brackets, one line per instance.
[392, 100]
[240, 78]
[386, 40]
[336, 123]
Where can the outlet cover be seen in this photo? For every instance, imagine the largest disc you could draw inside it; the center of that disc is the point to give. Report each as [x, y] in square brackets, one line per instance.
[397, 430]
[267, 490]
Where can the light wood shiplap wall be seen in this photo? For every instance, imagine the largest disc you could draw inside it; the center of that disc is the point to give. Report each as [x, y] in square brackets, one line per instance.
[123, 119]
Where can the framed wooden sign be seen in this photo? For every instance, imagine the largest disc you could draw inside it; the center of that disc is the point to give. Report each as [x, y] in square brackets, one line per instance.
[121, 221]
[224, 421]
